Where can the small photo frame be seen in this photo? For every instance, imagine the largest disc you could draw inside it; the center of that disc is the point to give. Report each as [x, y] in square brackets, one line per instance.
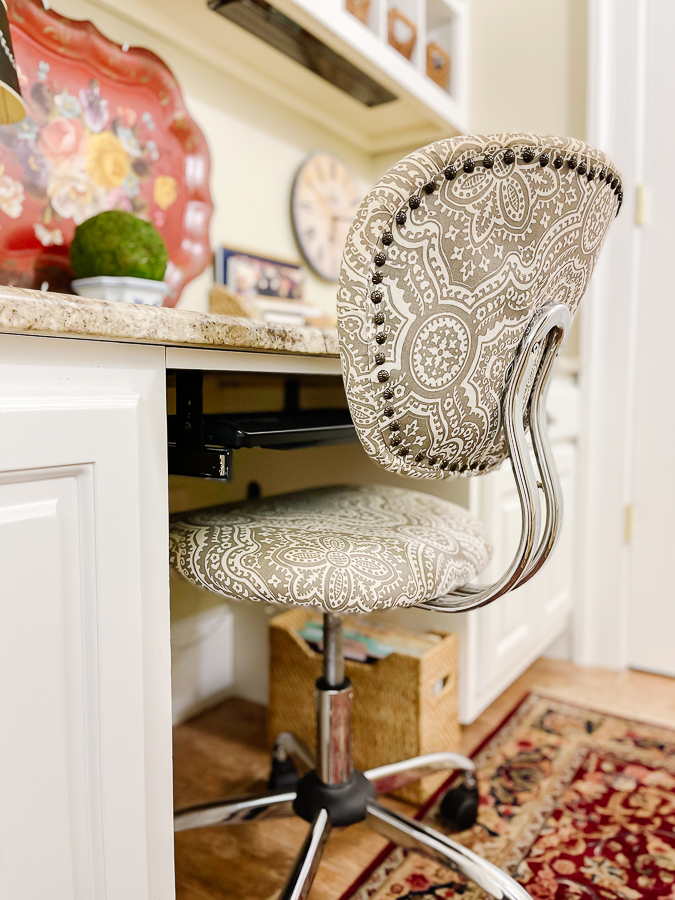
[248, 275]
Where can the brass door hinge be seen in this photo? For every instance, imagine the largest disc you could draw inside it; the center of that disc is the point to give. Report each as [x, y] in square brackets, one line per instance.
[628, 523]
[642, 204]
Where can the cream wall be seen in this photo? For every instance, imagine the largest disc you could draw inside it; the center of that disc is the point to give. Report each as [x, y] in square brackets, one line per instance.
[528, 73]
[528, 66]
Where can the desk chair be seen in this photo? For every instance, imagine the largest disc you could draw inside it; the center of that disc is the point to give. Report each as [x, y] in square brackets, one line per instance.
[460, 275]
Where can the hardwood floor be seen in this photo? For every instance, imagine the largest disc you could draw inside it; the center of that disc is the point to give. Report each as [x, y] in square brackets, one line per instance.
[223, 752]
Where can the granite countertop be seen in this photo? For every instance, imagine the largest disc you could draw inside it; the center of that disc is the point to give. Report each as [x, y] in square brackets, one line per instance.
[36, 312]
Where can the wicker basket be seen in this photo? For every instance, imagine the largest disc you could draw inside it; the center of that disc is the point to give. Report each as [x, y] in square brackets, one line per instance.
[399, 708]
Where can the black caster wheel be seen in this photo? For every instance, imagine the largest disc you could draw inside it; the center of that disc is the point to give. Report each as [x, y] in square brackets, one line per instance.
[284, 776]
[459, 806]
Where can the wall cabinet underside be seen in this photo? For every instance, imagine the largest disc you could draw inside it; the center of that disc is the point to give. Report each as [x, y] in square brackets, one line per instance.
[422, 111]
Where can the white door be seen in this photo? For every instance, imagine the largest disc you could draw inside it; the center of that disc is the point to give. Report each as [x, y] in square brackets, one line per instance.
[85, 742]
[651, 588]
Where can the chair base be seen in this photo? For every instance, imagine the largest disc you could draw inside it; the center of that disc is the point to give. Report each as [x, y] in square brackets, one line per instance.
[346, 804]
[332, 793]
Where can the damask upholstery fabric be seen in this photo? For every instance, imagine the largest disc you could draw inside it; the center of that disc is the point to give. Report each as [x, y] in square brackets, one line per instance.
[449, 257]
[339, 548]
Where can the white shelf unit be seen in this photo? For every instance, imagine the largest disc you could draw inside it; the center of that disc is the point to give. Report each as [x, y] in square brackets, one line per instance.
[446, 22]
[442, 22]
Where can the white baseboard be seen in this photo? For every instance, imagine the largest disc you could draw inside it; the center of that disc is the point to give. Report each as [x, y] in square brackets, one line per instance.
[202, 661]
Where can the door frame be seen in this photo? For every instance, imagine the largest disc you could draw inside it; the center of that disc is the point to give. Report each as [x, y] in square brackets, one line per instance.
[616, 87]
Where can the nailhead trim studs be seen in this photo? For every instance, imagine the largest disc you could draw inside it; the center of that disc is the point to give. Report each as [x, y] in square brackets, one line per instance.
[450, 172]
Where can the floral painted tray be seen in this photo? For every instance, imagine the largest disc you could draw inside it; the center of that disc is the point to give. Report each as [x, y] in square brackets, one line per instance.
[106, 129]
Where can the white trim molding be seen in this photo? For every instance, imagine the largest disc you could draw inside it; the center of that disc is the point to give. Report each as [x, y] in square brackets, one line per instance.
[616, 95]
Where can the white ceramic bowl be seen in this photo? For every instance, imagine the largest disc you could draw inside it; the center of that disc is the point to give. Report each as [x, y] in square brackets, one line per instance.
[142, 291]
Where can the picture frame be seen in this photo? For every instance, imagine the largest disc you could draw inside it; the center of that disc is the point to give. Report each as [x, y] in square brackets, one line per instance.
[252, 275]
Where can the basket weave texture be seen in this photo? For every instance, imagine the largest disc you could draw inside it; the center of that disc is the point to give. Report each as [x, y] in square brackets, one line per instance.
[398, 710]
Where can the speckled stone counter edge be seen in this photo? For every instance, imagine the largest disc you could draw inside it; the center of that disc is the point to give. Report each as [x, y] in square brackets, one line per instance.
[36, 312]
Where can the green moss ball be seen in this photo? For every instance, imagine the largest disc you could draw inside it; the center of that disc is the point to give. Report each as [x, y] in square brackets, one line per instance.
[120, 244]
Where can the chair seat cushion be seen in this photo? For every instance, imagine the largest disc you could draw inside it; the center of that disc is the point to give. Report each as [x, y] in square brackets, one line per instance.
[339, 548]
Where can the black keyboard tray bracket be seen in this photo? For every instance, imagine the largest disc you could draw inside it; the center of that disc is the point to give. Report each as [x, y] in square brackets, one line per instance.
[201, 445]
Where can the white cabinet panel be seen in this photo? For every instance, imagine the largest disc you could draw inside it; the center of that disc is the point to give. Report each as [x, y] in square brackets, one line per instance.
[85, 748]
[49, 760]
[511, 632]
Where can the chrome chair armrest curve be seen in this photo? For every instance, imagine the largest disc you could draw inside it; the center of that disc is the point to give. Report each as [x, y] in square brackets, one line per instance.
[532, 366]
[550, 482]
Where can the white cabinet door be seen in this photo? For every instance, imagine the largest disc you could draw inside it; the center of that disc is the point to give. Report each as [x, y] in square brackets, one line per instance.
[510, 633]
[85, 745]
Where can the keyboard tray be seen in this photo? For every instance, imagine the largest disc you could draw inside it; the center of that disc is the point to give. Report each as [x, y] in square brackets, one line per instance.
[280, 430]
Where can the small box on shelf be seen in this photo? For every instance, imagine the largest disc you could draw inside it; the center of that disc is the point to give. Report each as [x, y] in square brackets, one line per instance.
[438, 65]
[402, 32]
[360, 9]
[441, 38]
[404, 705]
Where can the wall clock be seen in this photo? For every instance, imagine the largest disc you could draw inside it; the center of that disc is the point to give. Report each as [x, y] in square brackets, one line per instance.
[324, 202]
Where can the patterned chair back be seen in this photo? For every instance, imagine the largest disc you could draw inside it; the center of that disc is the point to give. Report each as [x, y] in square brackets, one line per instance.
[448, 259]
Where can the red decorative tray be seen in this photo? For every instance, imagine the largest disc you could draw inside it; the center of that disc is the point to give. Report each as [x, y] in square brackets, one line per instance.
[106, 129]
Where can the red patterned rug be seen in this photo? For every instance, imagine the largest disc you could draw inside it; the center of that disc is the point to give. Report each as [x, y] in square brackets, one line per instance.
[576, 804]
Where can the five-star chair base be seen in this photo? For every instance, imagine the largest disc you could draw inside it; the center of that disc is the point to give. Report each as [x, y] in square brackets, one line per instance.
[333, 794]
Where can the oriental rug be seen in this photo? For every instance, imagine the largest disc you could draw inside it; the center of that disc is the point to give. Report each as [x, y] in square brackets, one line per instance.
[575, 803]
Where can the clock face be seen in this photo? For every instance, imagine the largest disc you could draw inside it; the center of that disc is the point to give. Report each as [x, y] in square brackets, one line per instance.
[324, 203]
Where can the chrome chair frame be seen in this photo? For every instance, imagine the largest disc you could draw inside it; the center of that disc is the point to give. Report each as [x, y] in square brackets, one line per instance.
[532, 366]
[524, 400]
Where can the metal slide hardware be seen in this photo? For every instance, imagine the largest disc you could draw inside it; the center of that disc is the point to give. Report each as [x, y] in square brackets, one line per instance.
[188, 454]
[532, 368]
[201, 444]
